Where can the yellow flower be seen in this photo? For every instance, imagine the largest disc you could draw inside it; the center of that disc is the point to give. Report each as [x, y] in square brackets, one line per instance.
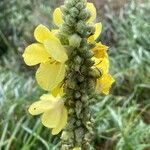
[51, 56]
[54, 113]
[98, 30]
[104, 83]
[100, 50]
[58, 15]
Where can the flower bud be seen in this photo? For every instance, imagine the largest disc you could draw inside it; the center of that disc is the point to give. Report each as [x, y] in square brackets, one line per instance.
[66, 29]
[90, 30]
[77, 95]
[91, 45]
[88, 137]
[66, 135]
[80, 78]
[74, 40]
[78, 123]
[79, 134]
[64, 146]
[63, 38]
[81, 27]
[89, 62]
[71, 84]
[74, 12]
[78, 104]
[70, 21]
[78, 108]
[89, 54]
[83, 14]
[70, 103]
[84, 70]
[71, 111]
[64, 10]
[77, 1]
[80, 5]
[69, 4]
[70, 93]
[78, 60]
[71, 123]
[88, 14]
[92, 86]
[84, 98]
[77, 67]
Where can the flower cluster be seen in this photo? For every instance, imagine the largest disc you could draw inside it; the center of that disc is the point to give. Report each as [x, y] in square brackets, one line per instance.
[101, 59]
[73, 65]
[51, 56]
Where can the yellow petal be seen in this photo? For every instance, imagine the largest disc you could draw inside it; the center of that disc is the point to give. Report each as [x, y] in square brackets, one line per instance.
[57, 17]
[41, 106]
[35, 54]
[48, 97]
[62, 122]
[105, 83]
[49, 75]
[98, 30]
[51, 118]
[100, 50]
[42, 33]
[92, 10]
[58, 90]
[103, 65]
[91, 39]
[56, 50]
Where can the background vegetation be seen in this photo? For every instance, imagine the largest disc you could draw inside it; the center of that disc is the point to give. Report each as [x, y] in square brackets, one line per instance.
[122, 118]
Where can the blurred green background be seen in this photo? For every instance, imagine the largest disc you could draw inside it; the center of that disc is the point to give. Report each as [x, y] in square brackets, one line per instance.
[122, 118]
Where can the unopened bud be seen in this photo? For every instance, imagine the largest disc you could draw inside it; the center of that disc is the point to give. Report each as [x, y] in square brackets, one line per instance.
[78, 60]
[84, 98]
[74, 40]
[77, 95]
[80, 5]
[69, 20]
[74, 12]
[64, 9]
[79, 134]
[83, 14]
[66, 29]
[81, 27]
[89, 54]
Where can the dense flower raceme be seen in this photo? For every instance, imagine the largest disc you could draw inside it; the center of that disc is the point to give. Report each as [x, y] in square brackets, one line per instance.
[51, 55]
[54, 112]
[100, 51]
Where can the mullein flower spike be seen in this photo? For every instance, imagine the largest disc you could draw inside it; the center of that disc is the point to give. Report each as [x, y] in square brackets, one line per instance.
[73, 68]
